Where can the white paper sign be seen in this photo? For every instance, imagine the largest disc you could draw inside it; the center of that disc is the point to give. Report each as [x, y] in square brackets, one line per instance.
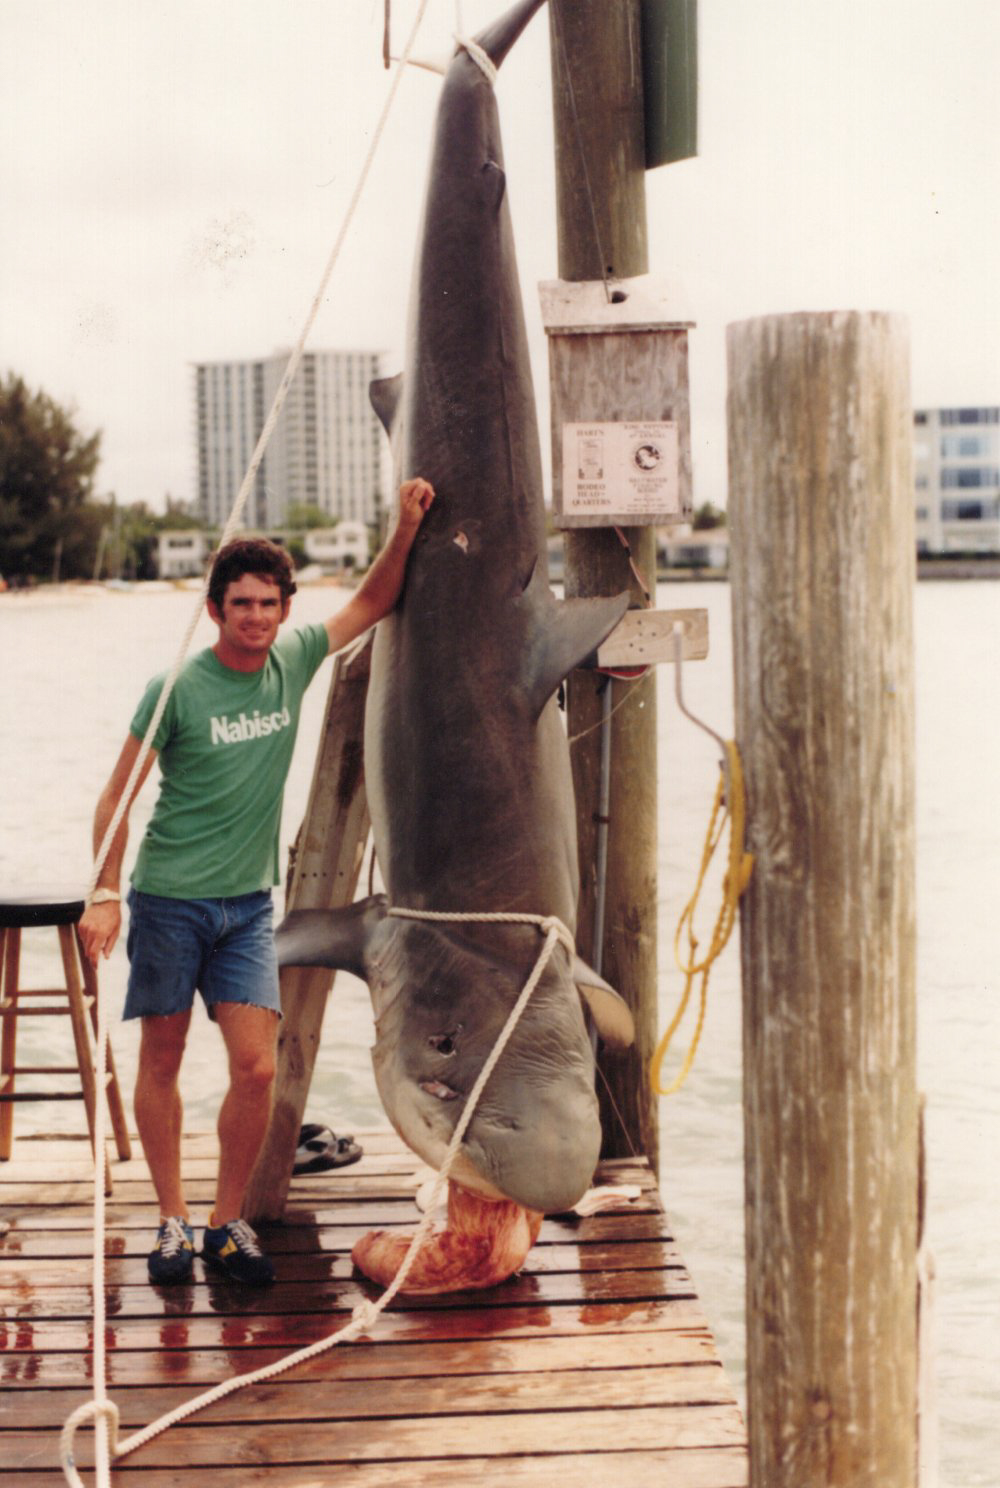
[620, 469]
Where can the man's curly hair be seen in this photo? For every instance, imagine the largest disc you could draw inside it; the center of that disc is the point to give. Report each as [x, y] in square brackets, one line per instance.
[251, 555]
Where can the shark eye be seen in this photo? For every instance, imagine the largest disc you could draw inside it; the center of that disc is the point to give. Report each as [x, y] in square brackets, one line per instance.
[444, 1043]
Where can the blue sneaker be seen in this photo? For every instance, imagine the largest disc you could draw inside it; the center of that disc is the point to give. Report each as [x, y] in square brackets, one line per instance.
[235, 1249]
[171, 1257]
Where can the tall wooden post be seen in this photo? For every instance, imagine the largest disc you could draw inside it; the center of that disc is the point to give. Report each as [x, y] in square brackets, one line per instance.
[601, 210]
[821, 512]
[599, 138]
[325, 873]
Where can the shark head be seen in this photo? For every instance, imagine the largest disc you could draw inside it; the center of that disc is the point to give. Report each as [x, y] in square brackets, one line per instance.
[441, 994]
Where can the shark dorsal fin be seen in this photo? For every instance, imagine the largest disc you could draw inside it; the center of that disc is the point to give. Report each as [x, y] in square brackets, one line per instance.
[385, 395]
[567, 633]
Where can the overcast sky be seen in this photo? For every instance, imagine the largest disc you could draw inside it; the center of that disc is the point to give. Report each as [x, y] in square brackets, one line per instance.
[173, 175]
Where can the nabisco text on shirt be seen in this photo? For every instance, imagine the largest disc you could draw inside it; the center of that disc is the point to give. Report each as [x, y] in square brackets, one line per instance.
[237, 730]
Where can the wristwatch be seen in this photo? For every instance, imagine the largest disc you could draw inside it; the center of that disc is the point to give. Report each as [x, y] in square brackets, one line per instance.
[105, 896]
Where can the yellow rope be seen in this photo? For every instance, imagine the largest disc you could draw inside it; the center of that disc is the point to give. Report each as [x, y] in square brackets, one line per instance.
[729, 804]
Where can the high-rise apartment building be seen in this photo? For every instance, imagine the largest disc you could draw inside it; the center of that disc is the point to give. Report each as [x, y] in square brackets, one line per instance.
[325, 451]
[957, 477]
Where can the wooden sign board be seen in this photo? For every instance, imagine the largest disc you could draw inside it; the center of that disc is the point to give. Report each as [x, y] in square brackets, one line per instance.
[645, 637]
[621, 423]
[626, 467]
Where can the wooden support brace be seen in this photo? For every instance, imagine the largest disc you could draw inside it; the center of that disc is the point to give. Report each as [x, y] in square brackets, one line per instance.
[330, 849]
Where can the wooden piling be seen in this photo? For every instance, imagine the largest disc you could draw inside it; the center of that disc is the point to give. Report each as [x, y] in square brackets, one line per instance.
[599, 138]
[628, 953]
[601, 212]
[821, 513]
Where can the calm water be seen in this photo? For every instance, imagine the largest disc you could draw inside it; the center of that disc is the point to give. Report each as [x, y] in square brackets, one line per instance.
[73, 664]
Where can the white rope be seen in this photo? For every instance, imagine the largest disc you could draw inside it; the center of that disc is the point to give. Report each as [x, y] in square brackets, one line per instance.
[482, 59]
[365, 1314]
[498, 917]
[258, 455]
[103, 1411]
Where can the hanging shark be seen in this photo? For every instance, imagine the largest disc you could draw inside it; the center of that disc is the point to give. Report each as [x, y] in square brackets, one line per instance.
[466, 758]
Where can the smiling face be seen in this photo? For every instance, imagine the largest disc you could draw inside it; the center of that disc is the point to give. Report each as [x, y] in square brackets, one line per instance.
[252, 610]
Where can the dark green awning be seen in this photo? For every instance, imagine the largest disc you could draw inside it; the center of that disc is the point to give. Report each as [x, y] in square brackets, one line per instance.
[670, 79]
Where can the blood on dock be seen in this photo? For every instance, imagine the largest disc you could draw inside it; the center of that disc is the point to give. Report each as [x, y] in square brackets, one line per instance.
[595, 1362]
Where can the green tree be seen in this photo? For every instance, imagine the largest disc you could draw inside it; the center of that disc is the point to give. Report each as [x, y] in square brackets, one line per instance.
[302, 515]
[179, 515]
[708, 516]
[47, 470]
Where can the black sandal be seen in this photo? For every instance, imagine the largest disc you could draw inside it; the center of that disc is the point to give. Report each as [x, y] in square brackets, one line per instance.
[319, 1150]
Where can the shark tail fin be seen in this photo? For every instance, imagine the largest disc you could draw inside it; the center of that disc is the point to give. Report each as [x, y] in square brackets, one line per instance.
[497, 39]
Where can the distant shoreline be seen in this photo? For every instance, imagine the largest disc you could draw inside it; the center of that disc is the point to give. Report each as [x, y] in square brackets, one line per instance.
[958, 568]
[927, 568]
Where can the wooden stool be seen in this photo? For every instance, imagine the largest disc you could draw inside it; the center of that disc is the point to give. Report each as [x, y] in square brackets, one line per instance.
[75, 998]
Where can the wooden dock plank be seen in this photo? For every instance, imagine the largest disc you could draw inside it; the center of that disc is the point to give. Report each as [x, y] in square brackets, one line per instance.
[303, 1298]
[644, 1220]
[686, 1468]
[334, 1263]
[411, 1440]
[198, 1369]
[353, 1184]
[595, 1361]
[293, 1399]
[295, 1331]
[337, 1232]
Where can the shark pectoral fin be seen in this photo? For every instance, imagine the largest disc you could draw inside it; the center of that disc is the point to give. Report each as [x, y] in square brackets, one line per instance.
[330, 937]
[385, 395]
[610, 1012]
[569, 631]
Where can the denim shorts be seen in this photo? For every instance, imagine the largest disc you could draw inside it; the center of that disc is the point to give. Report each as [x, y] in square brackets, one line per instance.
[223, 948]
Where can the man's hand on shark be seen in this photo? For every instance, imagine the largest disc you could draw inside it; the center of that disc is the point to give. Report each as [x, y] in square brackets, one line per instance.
[415, 497]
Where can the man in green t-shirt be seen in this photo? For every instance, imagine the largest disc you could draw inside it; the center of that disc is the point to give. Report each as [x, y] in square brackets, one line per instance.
[200, 902]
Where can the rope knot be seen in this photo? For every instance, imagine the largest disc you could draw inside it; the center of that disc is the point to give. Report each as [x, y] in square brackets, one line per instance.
[482, 59]
[109, 1411]
[365, 1316]
[553, 925]
[90, 1410]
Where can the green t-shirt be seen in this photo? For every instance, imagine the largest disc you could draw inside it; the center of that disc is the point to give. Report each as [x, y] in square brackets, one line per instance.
[224, 744]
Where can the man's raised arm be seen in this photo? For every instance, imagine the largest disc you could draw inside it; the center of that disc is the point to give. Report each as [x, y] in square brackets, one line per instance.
[381, 585]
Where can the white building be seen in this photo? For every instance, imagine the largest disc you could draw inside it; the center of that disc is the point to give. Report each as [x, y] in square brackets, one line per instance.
[182, 554]
[340, 547]
[325, 451]
[706, 548]
[957, 477]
